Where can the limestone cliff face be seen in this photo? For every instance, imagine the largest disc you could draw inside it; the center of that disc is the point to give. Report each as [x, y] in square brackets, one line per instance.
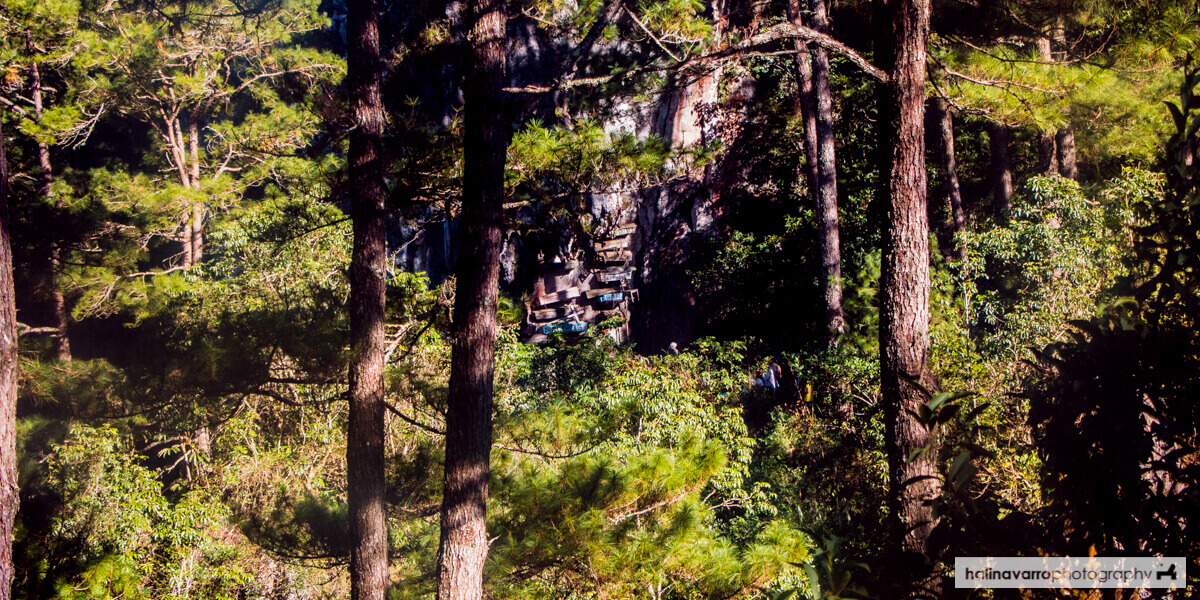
[666, 221]
[673, 218]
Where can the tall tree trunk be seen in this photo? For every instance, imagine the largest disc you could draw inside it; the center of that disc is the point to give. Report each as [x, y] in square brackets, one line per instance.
[914, 485]
[816, 111]
[368, 266]
[826, 196]
[957, 220]
[1066, 153]
[58, 303]
[806, 102]
[46, 177]
[463, 546]
[197, 240]
[178, 150]
[9, 494]
[1065, 139]
[1047, 148]
[1056, 152]
[1002, 185]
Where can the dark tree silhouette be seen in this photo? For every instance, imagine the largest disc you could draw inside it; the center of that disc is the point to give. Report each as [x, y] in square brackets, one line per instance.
[943, 120]
[1002, 186]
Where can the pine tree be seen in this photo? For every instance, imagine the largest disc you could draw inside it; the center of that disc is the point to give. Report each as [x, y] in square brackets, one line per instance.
[817, 102]
[40, 42]
[1088, 77]
[956, 220]
[914, 482]
[9, 493]
[184, 69]
[230, 104]
[464, 543]
[368, 267]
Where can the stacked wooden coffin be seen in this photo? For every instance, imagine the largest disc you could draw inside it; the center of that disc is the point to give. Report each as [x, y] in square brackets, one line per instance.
[573, 296]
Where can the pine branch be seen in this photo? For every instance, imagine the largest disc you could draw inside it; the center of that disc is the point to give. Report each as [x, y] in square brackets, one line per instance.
[10, 104]
[412, 421]
[23, 330]
[542, 454]
[152, 273]
[611, 11]
[657, 41]
[999, 83]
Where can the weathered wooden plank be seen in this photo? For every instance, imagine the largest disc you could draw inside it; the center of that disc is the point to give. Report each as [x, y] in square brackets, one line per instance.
[545, 314]
[551, 298]
[612, 244]
[619, 255]
[625, 229]
[596, 293]
[611, 276]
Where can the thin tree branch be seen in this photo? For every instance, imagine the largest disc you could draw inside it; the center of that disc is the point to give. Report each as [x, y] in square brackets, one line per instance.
[540, 453]
[750, 46]
[151, 273]
[10, 104]
[23, 330]
[657, 41]
[412, 421]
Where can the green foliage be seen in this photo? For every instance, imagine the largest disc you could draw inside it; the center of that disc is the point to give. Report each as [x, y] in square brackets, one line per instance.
[250, 89]
[1060, 256]
[568, 369]
[629, 509]
[831, 574]
[583, 157]
[1051, 262]
[616, 476]
[665, 405]
[1115, 406]
[553, 170]
[1105, 79]
[112, 533]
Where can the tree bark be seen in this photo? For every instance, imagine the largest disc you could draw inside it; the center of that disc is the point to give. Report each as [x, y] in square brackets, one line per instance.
[178, 150]
[815, 102]
[368, 267]
[1047, 154]
[1002, 186]
[914, 485]
[1047, 148]
[806, 102]
[9, 493]
[197, 240]
[58, 304]
[1066, 153]
[1056, 152]
[956, 223]
[463, 546]
[47, 174]
[826, 196]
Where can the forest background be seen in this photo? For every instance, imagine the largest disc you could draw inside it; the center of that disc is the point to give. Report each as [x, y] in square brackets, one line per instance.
[210, 204]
